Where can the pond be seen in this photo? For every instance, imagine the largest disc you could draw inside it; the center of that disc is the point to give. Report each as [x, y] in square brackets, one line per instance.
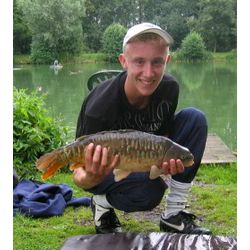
[211, 87]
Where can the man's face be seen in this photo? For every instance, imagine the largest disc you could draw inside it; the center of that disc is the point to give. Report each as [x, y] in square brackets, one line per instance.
[145, 63]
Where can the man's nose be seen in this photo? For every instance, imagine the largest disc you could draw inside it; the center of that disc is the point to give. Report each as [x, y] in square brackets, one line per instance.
[148, 70]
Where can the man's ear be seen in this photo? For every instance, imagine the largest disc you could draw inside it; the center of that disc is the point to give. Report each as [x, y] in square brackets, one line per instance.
[168, 58]
[122, 61]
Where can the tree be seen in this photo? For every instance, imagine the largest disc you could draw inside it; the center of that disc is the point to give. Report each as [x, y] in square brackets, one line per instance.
[216, 22]
[21, 33]
[55, 26]
[192, 48]
[112, 41]
[100, 14]
[173, 16]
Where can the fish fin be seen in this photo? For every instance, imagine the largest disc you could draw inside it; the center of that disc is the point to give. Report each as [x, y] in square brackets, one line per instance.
[120, 174]
[49, 163]
[154, 172]
[50, 171]
[75, 165]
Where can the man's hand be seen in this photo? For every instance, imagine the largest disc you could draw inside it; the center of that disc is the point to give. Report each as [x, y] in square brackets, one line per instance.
[172, 167]
[97, 166]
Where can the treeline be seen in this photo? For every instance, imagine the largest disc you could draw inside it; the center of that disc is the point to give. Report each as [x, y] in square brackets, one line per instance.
[49, 28]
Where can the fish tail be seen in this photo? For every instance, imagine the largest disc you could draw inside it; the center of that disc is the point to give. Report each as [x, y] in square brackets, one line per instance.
[49, 163]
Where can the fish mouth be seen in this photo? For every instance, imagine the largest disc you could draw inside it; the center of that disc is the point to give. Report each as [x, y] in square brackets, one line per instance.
[189, 163]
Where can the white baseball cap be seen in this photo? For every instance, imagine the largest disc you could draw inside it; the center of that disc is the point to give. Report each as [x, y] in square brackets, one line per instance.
[146, 28]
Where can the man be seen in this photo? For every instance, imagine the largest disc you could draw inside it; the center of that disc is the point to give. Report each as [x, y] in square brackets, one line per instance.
[144, 98]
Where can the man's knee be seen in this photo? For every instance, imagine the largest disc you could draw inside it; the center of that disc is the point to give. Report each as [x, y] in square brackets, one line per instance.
[138, 196]
[156, 193]
[192, 115]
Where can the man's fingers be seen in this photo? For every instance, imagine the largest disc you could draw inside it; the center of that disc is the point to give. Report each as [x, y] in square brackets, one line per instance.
[115, 162]
[89, 151]
[104, 160]
[165, 167]
[172, 166]
[179, 166]
[97, 156]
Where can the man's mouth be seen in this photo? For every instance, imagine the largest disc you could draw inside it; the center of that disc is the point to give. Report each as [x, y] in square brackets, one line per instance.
[147, 82]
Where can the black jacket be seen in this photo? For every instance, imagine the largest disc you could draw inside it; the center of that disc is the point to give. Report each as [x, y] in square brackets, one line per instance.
[107, 108]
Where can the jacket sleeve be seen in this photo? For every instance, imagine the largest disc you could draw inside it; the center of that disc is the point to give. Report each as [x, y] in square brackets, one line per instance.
[87, 125]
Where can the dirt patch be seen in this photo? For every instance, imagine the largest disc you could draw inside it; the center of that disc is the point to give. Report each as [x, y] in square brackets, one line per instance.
[155, 214]
[152, 215]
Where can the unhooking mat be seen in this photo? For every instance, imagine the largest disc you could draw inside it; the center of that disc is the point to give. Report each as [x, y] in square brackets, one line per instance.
[149, 241]
[39, 199]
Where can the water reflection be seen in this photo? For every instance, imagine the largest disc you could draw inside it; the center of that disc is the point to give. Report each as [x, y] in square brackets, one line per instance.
[209, 87]
[212, 88]
[56, 66]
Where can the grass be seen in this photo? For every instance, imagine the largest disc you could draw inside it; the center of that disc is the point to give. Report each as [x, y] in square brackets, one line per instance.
[225, 56]
[21, 59]
[64, 59]
[100, 58]
[213, 200]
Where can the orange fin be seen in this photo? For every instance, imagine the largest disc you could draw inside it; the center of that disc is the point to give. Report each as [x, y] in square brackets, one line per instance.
[49, 164]
[75, 165]
[51, 171]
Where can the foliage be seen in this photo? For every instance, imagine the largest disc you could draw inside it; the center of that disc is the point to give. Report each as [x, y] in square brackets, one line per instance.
[216, 22]
[192, 48]
[21, 59]
[35, 132]
[225, 56]
[112, 41]
[88, 58]
[232, 55]
[41, 52]
[55, 26]
[173, 16]
[100, 57]
[21, 33]
[101, 14]
[70, 26]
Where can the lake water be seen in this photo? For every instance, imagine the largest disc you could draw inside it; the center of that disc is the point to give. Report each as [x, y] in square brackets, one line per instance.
[210, 87]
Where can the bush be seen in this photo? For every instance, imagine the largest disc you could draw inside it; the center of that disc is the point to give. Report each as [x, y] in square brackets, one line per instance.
[41, 53]
[232, 55]
[35, 132]
[112, 41]
[192, 48]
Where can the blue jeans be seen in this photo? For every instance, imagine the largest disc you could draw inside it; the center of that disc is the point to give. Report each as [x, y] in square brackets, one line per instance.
[137, 192]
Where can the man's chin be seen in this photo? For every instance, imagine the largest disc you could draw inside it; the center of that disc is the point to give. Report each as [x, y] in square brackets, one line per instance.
[147, 89]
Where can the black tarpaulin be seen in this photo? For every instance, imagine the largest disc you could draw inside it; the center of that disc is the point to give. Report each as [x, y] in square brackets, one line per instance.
[148, 241]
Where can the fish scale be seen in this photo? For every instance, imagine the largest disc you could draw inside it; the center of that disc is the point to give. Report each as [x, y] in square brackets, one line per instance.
[138, 152]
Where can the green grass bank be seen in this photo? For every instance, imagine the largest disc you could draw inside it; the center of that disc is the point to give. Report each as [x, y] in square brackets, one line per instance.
[100, 57]
[213, 199]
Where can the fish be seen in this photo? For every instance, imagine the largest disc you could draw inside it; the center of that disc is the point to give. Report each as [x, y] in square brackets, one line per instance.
[138, 152]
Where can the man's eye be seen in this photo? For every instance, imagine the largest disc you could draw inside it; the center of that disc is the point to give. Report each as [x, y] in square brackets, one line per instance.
[158, 62]
[139, 62]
